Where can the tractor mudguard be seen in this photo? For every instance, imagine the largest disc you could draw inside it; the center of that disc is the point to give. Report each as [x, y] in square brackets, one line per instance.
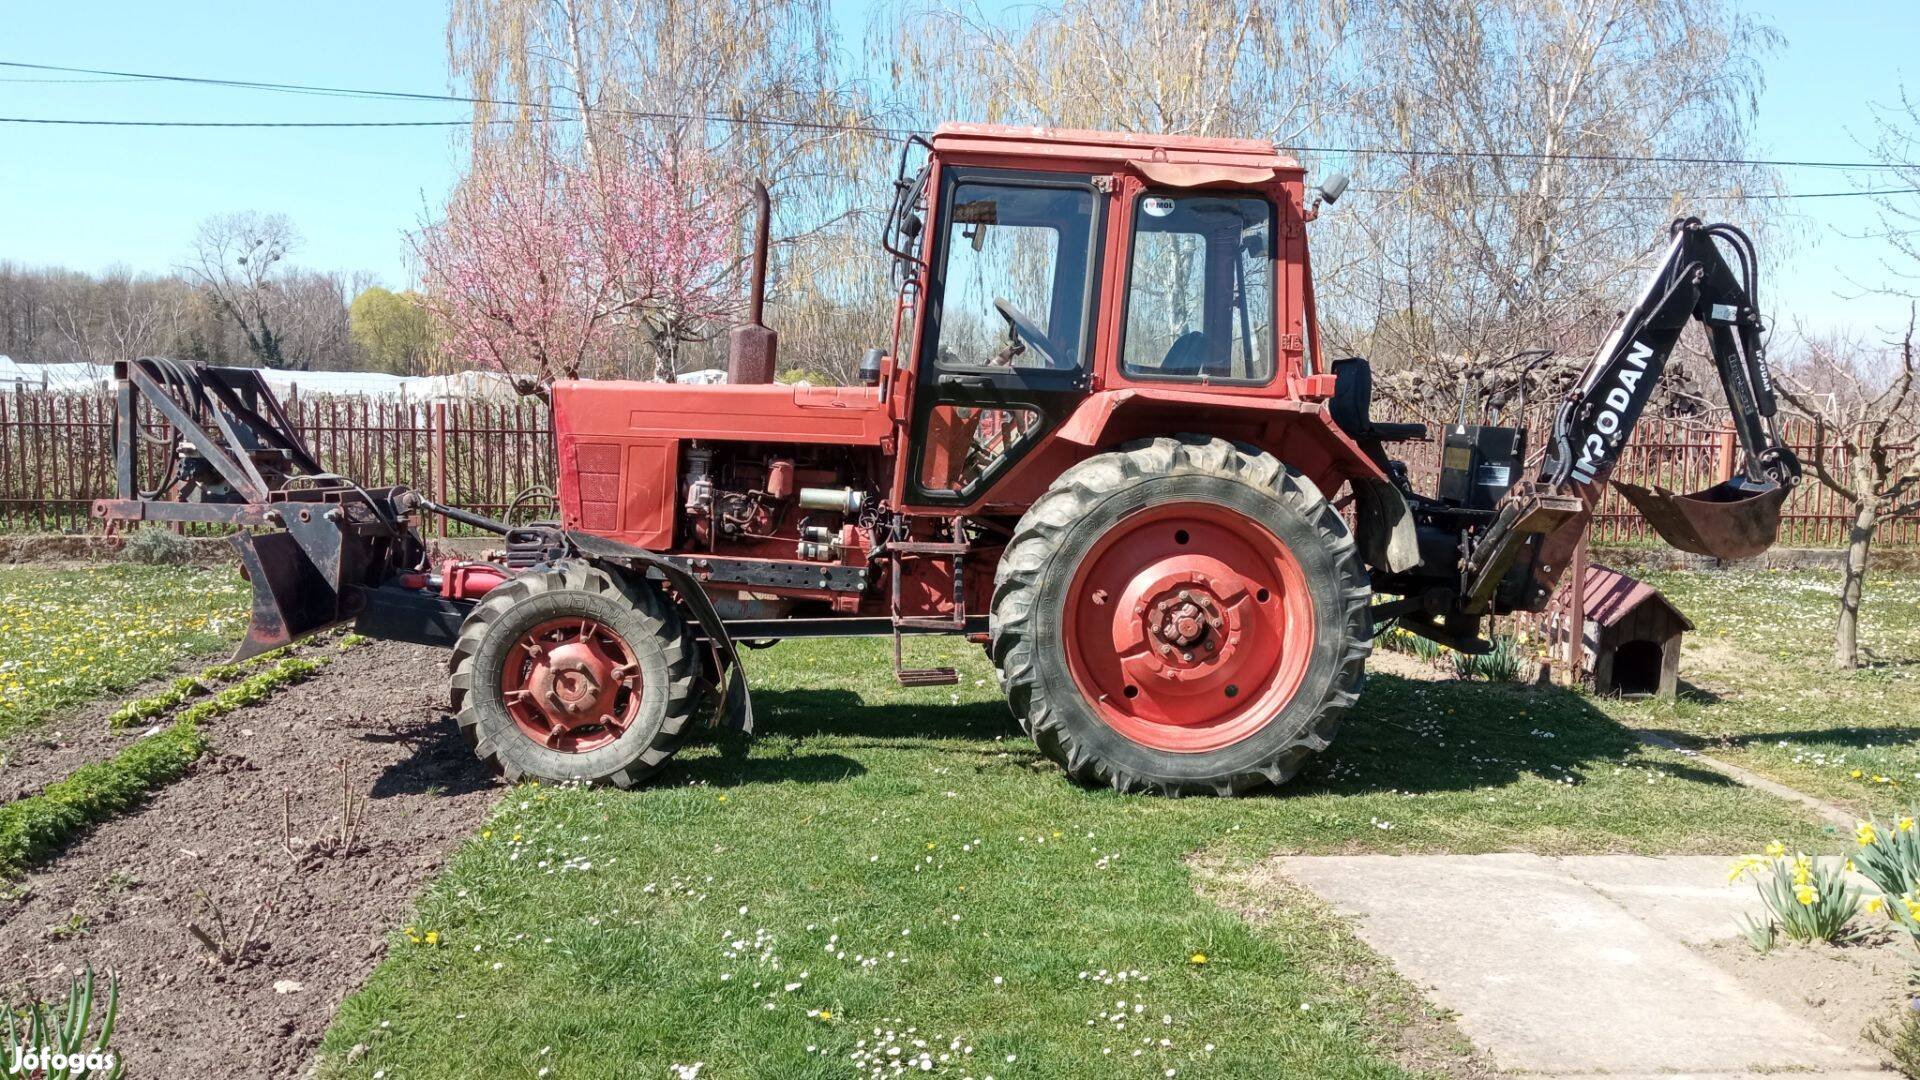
[736, 702]
[1302, 431]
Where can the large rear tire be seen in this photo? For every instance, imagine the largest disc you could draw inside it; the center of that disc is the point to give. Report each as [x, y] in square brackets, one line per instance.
[1183, 616]
[568, 674]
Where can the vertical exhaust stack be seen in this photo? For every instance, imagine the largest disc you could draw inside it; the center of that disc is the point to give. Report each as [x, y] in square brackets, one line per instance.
[751, 348]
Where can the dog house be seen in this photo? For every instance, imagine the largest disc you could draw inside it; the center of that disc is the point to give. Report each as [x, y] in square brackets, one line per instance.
[1632, 636]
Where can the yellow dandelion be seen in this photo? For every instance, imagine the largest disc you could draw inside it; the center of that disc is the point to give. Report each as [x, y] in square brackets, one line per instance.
[1856, 774]
[1198, 958]
[433, 937]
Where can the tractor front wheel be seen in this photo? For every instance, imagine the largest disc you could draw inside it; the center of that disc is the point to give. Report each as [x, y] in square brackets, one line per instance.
[1183, 616]
[569, 674]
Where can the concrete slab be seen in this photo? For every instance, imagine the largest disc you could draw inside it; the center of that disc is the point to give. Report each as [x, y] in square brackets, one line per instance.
[1575, 966]
[1685, 896]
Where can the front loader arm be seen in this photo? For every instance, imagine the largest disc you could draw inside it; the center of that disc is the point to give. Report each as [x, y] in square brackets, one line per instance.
[1540, 523]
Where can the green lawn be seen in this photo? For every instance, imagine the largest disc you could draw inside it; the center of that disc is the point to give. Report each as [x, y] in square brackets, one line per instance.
[882, 860]
[1764, 693]
[70, 636]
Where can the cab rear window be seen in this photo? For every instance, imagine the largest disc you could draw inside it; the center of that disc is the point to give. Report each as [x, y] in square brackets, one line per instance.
[1200, 288]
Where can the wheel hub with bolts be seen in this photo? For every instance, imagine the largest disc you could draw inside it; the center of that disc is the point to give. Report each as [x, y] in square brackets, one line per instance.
[575, 686]
[1187, 623]
[1191, 626]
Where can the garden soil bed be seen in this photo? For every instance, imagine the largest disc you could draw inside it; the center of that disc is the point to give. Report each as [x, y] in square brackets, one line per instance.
[40, 755]
[122, 898]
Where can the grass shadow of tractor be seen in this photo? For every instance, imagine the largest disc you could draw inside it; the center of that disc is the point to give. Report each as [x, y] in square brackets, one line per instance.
[786, 721]
[804, 714]
[1406, 735]
[1417, 736]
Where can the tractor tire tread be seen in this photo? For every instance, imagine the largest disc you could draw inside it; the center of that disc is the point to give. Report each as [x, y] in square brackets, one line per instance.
[656, 617]
[1075, 494]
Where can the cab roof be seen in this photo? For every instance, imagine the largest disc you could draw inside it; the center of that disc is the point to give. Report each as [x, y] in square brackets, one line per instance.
[1108, 146]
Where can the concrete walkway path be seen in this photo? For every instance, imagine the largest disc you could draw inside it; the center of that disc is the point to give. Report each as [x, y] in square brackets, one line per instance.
[1579, 966]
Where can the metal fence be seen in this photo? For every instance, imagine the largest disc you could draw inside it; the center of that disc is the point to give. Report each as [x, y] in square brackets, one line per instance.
[56, 458]
[56, 453]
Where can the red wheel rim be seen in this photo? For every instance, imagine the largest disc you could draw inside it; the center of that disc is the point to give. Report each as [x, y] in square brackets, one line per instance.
[572, 685]
[1189, 627]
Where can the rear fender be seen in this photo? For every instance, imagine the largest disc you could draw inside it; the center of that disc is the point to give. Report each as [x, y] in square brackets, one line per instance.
[1299, 432]
[736, 702]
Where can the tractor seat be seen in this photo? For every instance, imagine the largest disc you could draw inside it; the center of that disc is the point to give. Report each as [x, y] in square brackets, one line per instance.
[1352, 406]
[1190, 355]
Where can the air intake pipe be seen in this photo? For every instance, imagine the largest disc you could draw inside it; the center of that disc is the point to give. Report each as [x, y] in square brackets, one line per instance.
[751, 348]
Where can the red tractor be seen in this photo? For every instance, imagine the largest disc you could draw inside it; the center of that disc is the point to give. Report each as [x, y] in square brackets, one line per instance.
[1104, 442]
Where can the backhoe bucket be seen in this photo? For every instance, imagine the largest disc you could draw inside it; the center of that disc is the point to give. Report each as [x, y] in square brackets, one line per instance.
[1736, 519]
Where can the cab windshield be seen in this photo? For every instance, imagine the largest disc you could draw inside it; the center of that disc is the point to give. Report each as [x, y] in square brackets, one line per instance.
[1016, 275]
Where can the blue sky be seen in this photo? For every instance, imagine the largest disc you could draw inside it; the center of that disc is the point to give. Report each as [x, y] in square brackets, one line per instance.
[90, 197]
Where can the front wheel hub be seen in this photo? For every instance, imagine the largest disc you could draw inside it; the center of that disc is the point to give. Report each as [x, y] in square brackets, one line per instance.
[572, 685]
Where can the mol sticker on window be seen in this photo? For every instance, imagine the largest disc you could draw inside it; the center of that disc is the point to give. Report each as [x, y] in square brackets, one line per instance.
[1156, 206]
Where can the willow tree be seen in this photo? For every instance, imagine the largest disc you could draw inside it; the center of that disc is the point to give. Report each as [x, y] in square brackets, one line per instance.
[1518, 160]
[1247, 68]
[740, 88]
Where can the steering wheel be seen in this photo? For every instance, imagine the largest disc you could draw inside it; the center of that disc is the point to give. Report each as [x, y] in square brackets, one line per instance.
[1019, 327]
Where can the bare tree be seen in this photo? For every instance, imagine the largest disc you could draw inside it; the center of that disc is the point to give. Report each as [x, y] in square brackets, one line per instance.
[1865, 408]
[236, 259]
[1897, 144]
[120, 315]
[1509, 195]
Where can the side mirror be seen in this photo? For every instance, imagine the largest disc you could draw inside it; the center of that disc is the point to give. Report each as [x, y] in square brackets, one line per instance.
[1332, 188]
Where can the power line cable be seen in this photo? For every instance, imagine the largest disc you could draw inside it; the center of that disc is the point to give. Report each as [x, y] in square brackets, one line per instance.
[250, 123]
[872, 129]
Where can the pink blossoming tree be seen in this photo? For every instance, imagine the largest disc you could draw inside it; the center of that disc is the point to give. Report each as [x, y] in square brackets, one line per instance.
[555, 269]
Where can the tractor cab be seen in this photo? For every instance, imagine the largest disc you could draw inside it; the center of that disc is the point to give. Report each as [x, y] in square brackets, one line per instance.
[1041, 269]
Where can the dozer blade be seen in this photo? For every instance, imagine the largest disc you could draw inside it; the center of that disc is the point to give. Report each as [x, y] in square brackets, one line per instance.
[1736, 519]
[291, 596]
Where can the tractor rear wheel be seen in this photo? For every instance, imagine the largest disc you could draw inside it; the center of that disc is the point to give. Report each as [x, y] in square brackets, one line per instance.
[1184, 616]
[569, 674]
